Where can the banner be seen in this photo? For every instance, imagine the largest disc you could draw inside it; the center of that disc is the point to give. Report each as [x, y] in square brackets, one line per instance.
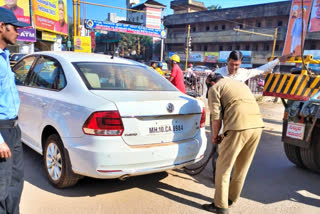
[211, 57]
[20, 9]
[49, 36]
[82, 44]
[124, 28]
[196, 57]
[293, 44]
[51, 15]
[27, 34]
[314, 24]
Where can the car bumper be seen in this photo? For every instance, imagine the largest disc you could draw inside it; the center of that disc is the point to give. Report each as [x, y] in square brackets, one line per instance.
[93, 156]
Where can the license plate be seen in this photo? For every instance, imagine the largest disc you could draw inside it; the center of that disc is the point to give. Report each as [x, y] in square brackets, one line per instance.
[295, 130]
[162, 129]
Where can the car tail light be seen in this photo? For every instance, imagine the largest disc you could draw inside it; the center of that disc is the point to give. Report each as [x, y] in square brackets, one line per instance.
[203, 118]
[105, 123]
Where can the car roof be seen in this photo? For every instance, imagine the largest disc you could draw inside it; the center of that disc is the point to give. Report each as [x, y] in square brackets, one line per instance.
[86, 57]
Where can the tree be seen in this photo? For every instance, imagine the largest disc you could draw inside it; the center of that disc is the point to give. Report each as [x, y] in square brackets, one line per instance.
[130, 43]
[214, 7]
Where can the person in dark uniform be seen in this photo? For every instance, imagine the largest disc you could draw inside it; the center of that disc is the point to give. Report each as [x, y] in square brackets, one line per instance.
[11, 154]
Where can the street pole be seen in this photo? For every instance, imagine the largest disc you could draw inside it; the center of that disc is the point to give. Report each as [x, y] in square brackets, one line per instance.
[161, 54]
[74, 18]
[274, 41]
[78, 13]
[187, 49]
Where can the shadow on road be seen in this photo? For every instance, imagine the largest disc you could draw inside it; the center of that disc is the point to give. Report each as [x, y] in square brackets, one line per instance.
[35, 175]
[272, 178]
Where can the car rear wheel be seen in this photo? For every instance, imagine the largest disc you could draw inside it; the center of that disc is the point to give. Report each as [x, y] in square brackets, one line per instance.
[310, 156]
[293, 154]
[57, 163]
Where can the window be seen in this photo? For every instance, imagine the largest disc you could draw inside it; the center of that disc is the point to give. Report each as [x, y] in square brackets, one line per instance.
[220, 48]
[107, 76]
[194, 29]
[266, 47]
[313, 46]
[256, 47]
[22, 68]
[280, 23]
[277, 48]
[141, 17]
[205, 48]
[240, 26]
[223, 27]
[247, 47]
[216, 27]
[258, 24]
[207, 28]
[238, 47]
[230, 48]
[48, 74]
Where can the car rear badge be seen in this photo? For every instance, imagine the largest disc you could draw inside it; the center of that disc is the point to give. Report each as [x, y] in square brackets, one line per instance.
[170, 107]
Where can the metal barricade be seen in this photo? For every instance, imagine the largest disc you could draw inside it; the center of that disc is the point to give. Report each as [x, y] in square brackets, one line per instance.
[195, 83]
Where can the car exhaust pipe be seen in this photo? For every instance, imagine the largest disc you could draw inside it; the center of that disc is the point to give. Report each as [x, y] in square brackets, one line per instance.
[124, 177]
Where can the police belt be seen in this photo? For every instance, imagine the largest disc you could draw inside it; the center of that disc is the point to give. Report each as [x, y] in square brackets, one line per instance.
[11, 123]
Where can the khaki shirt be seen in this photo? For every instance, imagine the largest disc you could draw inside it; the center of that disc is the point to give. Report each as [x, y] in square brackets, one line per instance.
[232, 101]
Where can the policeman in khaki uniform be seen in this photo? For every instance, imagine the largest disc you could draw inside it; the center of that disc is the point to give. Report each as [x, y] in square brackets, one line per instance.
[232, 101]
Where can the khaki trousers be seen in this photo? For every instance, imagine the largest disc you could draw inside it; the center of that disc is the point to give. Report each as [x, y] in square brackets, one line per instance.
[236, 151]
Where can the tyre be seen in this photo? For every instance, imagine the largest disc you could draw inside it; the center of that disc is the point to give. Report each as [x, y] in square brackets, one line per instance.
[311, 156]
[293, 154]
[57, 163]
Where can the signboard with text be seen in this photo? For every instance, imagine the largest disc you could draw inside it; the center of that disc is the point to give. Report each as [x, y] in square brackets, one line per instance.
[19, 8]
[27, 34]
[314, 24]
[49, 36]
[51, 15]
[124, 28]
[211, 57]
[82, 44]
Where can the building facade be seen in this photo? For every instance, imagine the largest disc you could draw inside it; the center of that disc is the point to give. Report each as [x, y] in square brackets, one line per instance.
[213, 31]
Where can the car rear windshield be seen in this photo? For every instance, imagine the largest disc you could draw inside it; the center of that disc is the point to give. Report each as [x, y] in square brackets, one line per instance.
[107, 76]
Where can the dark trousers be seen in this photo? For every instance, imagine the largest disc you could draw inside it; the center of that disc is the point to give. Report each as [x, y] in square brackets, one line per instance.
[216, 152]
[11, 172]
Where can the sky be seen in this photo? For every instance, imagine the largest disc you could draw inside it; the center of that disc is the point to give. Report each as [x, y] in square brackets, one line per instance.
[101, 13]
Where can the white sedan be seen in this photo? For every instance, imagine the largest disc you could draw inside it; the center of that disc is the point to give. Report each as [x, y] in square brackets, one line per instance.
[103, 117]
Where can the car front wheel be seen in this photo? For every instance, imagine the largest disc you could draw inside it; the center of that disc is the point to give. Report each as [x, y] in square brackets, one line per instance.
[57, 165]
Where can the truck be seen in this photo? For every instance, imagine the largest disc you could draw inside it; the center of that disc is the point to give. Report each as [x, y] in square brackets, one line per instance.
[300, 95]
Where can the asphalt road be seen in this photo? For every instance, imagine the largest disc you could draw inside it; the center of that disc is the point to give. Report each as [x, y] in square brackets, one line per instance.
[273, 185]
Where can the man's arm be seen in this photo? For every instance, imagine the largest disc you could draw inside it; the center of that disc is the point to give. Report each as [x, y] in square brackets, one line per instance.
[4, 149]
[265, 68]
[216, 126]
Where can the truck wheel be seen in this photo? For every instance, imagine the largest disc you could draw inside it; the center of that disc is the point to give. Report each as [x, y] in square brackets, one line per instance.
[310, 156]
[293, 154]
[56, 163]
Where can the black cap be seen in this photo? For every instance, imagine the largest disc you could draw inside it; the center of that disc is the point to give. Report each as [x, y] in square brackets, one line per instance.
[8, 17]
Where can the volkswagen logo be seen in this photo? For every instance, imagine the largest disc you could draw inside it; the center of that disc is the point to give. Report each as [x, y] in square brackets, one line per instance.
[170, 107]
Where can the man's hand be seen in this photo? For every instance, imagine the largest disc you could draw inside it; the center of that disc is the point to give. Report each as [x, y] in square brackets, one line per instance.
[5, 151]
[216, 139]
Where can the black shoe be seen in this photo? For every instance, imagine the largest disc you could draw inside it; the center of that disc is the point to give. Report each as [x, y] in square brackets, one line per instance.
[229, 203]
[214, 209]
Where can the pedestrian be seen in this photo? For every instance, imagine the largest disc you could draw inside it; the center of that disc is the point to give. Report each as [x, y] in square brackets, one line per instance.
[159, 69]
[232, 101]
[232, 70]
[11, 154]
[176, 77]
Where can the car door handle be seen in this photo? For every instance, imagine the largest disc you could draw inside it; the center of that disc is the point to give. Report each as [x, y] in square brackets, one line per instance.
[44, 105]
